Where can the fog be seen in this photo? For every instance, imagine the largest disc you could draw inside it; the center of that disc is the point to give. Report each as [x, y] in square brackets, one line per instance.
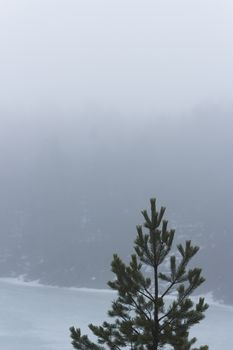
[104, 105]
[126, 58]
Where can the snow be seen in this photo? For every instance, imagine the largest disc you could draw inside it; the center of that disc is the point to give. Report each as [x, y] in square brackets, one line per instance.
[38, 317]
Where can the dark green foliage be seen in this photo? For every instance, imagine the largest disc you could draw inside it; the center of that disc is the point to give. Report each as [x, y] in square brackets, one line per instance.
[145, 317]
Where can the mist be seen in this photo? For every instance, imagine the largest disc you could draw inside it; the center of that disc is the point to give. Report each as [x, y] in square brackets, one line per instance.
[103, 106]
[126, 59]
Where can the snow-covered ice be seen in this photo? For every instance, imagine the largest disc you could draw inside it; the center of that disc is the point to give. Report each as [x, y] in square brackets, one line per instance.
[38, 317]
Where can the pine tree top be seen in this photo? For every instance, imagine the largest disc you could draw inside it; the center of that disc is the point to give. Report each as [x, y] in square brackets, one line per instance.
[143, 317]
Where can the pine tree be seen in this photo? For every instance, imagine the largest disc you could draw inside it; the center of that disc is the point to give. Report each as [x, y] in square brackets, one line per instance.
[146, 315]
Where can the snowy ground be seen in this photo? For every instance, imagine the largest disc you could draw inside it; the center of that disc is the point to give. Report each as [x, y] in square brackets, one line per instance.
[38, 318]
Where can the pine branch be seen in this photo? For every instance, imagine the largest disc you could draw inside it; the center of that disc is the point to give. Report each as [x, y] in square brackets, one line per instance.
[168, 289]
[150, 297]
[133, 328]
[139, 308]
[172, 310]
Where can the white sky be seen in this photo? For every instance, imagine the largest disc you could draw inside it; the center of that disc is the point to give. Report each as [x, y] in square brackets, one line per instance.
[124, 57]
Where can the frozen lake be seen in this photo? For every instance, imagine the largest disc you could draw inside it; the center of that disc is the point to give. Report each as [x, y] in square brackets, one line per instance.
[38, 317]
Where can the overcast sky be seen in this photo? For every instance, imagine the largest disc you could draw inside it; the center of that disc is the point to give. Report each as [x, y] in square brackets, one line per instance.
[125, 58]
